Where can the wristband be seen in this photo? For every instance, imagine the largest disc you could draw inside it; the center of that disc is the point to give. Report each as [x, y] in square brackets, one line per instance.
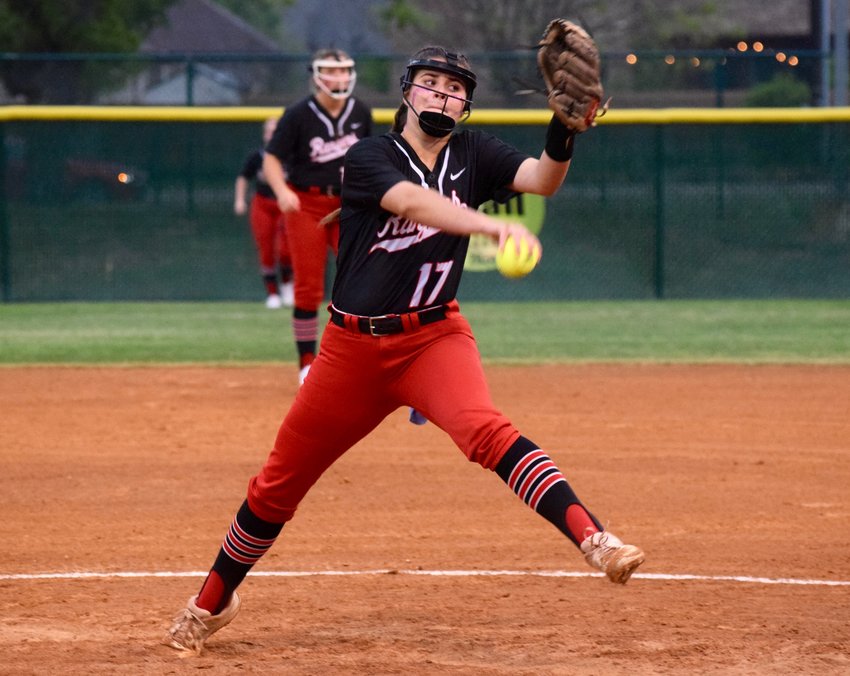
[559, 141]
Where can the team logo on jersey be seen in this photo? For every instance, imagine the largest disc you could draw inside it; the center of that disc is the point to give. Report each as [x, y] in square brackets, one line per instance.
[400, 233]
[322, 151]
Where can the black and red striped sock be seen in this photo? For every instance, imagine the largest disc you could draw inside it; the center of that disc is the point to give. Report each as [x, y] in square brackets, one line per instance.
[247, 540]
[305, 328]
[537, 481]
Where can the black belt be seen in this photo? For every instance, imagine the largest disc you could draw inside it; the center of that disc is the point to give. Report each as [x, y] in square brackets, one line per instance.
[327, 190]
[387, 325]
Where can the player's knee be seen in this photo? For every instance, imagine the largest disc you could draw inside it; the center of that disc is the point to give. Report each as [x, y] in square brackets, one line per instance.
[487, 444]
[269, 505]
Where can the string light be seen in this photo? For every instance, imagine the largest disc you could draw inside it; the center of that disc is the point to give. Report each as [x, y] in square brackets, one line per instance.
[742, 46]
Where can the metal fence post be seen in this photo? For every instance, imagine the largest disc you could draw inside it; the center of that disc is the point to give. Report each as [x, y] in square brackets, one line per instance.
[720, 166]
[5, 272]
[842, 8]
[720, 82]
[190, 81]
[658, 271]
[825, 33]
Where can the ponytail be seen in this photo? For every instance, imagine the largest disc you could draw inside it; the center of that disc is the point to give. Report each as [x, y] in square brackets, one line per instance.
[400, 118]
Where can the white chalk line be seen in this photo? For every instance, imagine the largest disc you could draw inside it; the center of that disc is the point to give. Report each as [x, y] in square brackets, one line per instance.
[85, 575]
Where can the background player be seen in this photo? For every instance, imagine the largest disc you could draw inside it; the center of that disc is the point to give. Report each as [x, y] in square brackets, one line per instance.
[266, 225]
[303, 165]
[396, 336]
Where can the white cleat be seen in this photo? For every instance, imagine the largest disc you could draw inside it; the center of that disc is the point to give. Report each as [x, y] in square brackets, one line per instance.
[287, 294]
[273, 301]
[606, 552]
[192, 626]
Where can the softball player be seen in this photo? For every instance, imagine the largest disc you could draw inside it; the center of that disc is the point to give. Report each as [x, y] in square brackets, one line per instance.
[303, 165]
[266, 225]
[396, 336]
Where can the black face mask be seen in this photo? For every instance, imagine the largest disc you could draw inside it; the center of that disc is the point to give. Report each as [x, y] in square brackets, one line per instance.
[435, 124]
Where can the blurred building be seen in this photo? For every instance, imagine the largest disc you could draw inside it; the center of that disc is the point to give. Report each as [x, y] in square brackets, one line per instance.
[196, 27]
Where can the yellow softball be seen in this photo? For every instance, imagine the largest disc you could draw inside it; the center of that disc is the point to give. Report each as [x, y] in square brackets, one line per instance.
[512, 264]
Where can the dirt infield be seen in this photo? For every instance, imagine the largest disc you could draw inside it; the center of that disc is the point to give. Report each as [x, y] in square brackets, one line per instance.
[734, 479]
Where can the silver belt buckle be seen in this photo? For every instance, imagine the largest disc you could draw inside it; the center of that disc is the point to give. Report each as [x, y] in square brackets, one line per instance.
[373, 330]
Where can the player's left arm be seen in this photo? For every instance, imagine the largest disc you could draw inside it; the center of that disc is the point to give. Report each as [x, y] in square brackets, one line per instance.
[568, 59]
[541, 176]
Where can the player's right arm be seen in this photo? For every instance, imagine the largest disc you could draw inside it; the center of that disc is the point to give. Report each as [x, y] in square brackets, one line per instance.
[372, 175]
[421, 205]
[240, 192]
[287, 199]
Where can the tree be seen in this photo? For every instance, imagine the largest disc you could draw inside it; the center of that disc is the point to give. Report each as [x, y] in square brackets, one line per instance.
[500, 25]
[78, 25]
[264, 15]
[494, 27]
[69, 26]
[683, 25]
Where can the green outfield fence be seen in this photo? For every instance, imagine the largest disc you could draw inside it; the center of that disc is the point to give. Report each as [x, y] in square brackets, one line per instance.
[669, 203]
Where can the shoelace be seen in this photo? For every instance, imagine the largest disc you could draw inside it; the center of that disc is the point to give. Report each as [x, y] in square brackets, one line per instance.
[187, 623]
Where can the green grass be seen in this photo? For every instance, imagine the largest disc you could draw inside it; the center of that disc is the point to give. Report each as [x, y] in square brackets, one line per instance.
[775, 331]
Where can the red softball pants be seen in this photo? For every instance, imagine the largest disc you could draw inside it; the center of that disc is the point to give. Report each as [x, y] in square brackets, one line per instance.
[308, 243]
[356, 381]
[269, 234]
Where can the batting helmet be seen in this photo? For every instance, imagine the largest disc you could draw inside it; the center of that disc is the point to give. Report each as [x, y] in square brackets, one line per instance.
[424, 58]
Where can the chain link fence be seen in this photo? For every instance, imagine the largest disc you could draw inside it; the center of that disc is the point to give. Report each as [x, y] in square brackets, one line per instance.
[141, 209]
[650, 79]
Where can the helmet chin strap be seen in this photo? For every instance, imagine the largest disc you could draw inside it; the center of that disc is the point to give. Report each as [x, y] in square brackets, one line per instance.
[433, 123]
[342, 93]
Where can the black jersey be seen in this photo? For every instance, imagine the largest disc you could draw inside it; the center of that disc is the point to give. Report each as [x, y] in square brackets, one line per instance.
[387, 264]
[252, 170]
[311, 143]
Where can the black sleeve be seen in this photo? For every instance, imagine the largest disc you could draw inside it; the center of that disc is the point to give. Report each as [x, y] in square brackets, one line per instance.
[252, 165]
[500, 162]
[370, 170]
[282, 143]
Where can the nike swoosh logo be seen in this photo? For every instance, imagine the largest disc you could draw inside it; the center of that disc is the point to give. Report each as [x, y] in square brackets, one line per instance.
[356, 125]
[454, 177]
